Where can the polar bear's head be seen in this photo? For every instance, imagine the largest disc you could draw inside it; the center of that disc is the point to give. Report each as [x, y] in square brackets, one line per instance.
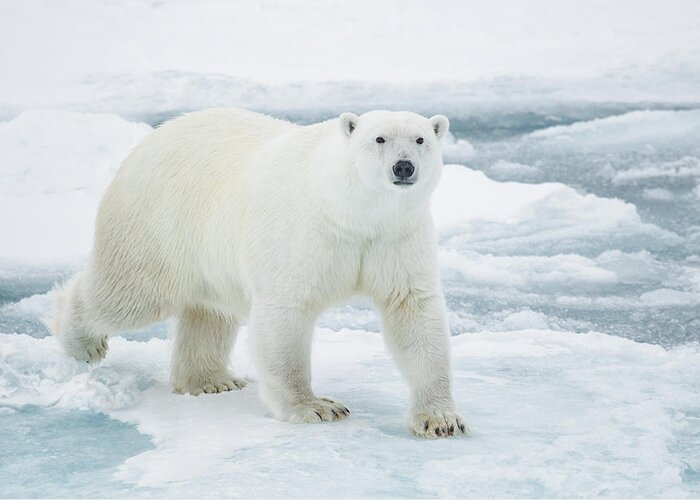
[396, 151]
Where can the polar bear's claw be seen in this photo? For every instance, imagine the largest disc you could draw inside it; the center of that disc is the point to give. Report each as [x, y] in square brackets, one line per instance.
[437, 424]
[318, 410]
[211, 385]
[339, 407]
[89, 349]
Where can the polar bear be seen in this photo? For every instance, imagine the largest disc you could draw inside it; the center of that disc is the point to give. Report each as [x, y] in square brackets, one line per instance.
[226, 215]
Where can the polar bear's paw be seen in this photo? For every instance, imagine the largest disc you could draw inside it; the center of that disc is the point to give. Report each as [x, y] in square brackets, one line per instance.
[317, 410]
[210, 384]
[437, 424]
[85, 348]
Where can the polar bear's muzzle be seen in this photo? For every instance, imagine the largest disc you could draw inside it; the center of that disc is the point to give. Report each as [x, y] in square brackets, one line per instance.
[403, 173]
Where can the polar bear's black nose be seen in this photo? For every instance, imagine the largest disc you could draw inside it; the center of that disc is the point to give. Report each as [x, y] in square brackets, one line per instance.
[403, 169]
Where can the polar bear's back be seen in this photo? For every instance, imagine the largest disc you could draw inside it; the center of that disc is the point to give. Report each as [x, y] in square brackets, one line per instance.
[153, 220]
[183, 165]
[213, 142]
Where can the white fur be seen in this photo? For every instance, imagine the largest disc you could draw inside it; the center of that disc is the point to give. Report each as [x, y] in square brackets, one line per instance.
[223, 215]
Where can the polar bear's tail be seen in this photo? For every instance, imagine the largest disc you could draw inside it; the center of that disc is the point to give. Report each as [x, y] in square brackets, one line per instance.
[73, 324]
[63, 292]
[68, 300]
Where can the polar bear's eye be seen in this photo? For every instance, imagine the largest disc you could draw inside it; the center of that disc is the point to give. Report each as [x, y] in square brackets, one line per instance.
[419, 140]
[380, 140]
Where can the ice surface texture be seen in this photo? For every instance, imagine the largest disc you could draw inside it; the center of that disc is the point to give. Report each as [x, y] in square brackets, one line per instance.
[148, 58]
[571, 206]
[554, 414]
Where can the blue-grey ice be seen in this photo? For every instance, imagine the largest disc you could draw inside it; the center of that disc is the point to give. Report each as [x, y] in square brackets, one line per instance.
[569, 226]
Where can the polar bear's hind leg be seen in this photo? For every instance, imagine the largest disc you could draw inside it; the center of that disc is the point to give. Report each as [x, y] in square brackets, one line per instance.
[76, 324]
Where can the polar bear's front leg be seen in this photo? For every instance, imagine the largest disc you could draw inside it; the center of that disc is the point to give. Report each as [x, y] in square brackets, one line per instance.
[203, 342]
[281, 339]
[416, 332]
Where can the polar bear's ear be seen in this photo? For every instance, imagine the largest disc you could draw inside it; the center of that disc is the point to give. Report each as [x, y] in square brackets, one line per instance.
[348, 122]
[440, 124]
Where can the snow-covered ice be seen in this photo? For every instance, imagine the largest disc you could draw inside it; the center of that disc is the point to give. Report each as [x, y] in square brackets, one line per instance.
[52, 212]
[569, 226]
[554, 414]
[145, 58]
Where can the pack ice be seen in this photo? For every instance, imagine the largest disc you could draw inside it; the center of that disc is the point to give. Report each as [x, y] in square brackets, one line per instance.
[569, 222]
[558, 409]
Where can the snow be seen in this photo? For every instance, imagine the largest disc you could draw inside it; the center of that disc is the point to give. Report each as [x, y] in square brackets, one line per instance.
[531, 272]
[456, 149]
[53, 191]
[56, 165]
[480, 214]
[685, 167]
[278, 55]
[636, 126]
[658, 194]
[569, 233]
[465, 195]
[554, 414]
[525, 319]
[513, 169]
